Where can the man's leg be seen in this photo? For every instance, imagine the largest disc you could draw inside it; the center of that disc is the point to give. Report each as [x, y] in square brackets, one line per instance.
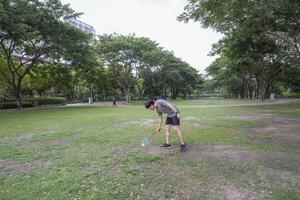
[168, 128]
[183, 145]
[179, 132]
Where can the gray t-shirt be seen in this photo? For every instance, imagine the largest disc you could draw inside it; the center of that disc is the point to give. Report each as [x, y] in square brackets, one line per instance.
[162, 108]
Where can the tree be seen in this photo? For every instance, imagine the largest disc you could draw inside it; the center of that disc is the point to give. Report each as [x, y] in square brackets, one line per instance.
[32, 33]
[139, 63]
[167, 73]
[261, 38]
[4, 87]
[124, 55]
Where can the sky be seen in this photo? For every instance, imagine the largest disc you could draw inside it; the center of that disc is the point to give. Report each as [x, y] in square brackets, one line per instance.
[155, 19]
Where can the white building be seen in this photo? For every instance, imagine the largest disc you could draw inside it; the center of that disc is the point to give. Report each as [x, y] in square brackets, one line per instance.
[81, 25]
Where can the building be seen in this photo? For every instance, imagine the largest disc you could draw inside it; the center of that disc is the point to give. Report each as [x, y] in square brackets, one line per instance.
[81, 25]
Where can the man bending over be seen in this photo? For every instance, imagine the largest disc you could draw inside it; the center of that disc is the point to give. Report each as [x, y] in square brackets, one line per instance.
[173, 120]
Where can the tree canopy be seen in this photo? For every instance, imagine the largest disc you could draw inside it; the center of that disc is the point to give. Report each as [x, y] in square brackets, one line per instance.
[140, 62]
[33, 33]
[261, 41]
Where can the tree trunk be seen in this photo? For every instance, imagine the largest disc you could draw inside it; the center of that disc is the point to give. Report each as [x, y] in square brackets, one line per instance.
[92, 94]
[140, 92]
[250, 93]
[17, 94]
[242, 89]
[263, 89]
[140, 95]
[262, 93]
[127, 93]
[250, 89]
[174, 94]
[256, 92]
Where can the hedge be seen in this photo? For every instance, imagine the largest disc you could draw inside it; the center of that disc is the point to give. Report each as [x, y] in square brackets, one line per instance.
[290, 95]
[49, 101]
[12, 105]
[30, 102]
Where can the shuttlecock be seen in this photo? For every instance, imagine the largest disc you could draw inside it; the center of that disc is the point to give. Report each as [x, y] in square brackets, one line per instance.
[142, 145]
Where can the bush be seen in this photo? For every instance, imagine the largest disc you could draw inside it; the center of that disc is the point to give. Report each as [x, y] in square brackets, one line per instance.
[49, 101]
[289, 95]
[294, 95]
[85, 100]
[11, 104]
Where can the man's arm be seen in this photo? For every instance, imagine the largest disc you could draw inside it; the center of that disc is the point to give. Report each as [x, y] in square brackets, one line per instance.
[160, 123]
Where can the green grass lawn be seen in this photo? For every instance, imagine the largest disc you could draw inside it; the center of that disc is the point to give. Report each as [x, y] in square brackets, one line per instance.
[245, 152]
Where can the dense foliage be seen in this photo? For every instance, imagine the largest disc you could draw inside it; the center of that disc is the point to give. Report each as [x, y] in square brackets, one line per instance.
[260, 50]
[41, 56]
[33, 34]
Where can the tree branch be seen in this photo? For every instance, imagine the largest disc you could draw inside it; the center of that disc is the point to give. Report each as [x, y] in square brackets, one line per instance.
[278, 36]
[39, 54]
[7, 79]
[27, 70]
[296, 46]
[8, 58]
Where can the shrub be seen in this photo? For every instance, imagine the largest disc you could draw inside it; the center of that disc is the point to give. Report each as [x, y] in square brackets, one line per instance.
[49, 101]
[290, 95]
[85, 100]
[12, 104]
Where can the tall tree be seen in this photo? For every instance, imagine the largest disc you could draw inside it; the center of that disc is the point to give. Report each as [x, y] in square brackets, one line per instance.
[167, 73]
[263, 36]
[32, 33]
[125, 57]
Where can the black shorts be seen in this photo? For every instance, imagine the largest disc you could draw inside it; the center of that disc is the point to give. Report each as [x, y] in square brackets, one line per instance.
[174, 121]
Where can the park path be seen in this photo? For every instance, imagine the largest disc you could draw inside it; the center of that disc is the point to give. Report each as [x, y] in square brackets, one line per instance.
[267, 102]
[279, 101]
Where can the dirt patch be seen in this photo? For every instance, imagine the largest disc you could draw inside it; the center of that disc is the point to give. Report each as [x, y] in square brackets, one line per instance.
[231, 192]
[201, 126]
[192, 118]
[139, 122]
[221, 155]
[51, 142]
[158, 151]
[13, 166]
[7, 165]
[278, 167]
[234, 156]
[243, 156]
[283, 177]
[282, 166]
[220, 168]
[194, 122]
[218, 154]
[283, 131]
[25, 137]
[39, 144]
[221, 185]
[270, 121]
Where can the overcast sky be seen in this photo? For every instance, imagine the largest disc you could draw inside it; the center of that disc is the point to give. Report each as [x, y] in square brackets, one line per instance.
[155, 19]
